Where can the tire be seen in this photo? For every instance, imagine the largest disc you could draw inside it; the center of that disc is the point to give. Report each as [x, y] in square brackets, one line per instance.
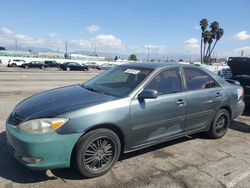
[13, 65]
[42, 67]
[98, 161]
[26, 66]
[220, 124]
[67, 68]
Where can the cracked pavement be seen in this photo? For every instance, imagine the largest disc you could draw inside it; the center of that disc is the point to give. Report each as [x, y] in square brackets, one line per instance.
[193, 161]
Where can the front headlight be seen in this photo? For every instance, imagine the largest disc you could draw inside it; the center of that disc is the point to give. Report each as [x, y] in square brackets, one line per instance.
[44, 125]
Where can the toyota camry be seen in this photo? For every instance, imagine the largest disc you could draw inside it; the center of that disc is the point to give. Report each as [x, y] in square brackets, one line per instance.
[126, 108]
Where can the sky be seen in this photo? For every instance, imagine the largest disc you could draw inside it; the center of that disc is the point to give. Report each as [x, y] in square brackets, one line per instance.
[125, 26]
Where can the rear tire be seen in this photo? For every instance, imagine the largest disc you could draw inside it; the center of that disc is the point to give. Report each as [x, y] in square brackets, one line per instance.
[220, 124]
[96, 153]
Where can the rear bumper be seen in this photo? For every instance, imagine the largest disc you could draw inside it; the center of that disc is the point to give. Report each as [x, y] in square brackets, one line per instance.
[238, 110]
[52, 150]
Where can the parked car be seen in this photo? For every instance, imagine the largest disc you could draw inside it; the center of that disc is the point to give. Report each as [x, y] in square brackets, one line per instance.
[225, 73]
[93, 65]
[124, 109]
[68, 66]
[15, 62]
[240, 67]
[107, 66]
[34, 64]
[52, 64]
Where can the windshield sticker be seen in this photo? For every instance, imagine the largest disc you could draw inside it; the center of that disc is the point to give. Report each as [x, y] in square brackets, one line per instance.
[132, 71]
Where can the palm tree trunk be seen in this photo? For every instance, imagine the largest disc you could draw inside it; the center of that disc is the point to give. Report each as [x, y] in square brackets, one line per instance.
[204, 49]
[201, 49]
[212, 48]
[207, 52]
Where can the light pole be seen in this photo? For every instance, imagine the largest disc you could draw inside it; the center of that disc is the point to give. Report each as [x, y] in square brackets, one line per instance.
[148, 55]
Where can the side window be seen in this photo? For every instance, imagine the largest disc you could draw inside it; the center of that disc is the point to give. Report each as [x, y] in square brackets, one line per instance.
[198, 80]
[166, 82]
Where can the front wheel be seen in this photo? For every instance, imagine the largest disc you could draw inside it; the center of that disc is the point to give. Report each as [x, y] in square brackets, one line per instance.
[220, 124]
[96, 153]
[68, 69]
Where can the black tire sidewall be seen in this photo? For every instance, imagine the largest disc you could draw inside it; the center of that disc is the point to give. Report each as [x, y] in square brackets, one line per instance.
[212, 131]
[82, 146]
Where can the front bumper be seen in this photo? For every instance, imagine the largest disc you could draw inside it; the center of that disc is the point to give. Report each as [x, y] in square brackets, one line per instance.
[53, 149]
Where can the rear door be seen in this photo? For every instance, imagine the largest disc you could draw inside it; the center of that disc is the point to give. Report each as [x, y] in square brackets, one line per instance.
[203, 96]
[156, 119]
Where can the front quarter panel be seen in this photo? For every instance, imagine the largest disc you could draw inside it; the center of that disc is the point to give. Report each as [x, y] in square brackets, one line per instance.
[110, 113]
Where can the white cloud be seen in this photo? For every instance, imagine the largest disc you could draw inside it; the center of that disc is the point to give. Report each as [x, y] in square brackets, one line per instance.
[243, 35]
[103, 43]
[93, 28]
[156, 48]
[6, 31]
[197, 27]
[245, 49]
[191, 46]
[53, 35]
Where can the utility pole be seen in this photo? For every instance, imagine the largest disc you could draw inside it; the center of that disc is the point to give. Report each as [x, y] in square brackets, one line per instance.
[95, 49]
[16, 43]
[242, 53]
[148, 55]
[66, 48]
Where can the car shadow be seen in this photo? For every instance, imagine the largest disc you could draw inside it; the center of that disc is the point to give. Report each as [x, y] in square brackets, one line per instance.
[240, 126]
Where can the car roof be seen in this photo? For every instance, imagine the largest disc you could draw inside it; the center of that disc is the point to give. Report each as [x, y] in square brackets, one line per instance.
[153, 65]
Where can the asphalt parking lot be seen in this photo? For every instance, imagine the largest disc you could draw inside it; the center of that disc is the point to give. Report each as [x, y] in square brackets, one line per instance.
[193, 161]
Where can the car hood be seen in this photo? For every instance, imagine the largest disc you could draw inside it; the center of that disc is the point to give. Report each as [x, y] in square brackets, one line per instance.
[239, 67]
[58, 101]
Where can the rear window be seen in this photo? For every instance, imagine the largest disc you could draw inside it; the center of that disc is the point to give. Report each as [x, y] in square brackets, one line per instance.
[198, 80]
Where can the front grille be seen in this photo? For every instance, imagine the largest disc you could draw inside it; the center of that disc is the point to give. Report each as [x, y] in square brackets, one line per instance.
[16, 119]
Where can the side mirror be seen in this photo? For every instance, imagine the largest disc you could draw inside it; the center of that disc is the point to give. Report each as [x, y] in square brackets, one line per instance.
[148, 94]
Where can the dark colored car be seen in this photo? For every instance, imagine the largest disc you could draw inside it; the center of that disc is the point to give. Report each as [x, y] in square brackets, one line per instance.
[51, 64]
[93, 65]
[34, 64]
[68, 66]
[126, 108]
[240, 67]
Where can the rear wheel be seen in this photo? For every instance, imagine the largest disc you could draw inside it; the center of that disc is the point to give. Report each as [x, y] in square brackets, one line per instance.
[68, 69]
[220, 124]
[26, 66]
[42, 67]
[96, 153]
[14, 65]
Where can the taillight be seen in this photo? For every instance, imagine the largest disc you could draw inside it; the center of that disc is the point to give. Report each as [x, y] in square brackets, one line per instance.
[243, 92]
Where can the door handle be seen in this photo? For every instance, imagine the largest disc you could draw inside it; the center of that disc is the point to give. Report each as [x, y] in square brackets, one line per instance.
[180, 102]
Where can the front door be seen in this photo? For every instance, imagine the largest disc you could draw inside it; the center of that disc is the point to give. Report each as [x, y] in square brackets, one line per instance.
[153, 120]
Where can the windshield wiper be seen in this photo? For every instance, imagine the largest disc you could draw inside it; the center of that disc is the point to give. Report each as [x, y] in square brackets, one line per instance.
[95, 90]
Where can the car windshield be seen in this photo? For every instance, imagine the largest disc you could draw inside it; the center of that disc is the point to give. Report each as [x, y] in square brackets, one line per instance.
[118, 81]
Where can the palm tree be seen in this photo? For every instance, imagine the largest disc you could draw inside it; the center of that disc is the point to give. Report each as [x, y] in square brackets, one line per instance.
[206, 38]
[219, 34]
[203, 25]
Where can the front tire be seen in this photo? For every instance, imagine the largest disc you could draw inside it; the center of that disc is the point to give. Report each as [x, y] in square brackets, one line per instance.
[68, 69]
[220, 124]
[96, 153]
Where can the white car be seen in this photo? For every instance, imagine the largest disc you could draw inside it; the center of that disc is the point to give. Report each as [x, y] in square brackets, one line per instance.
[15, 62]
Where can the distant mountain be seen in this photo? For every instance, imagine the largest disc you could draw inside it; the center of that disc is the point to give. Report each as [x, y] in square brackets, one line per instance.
[140, 56]
[33, 49]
